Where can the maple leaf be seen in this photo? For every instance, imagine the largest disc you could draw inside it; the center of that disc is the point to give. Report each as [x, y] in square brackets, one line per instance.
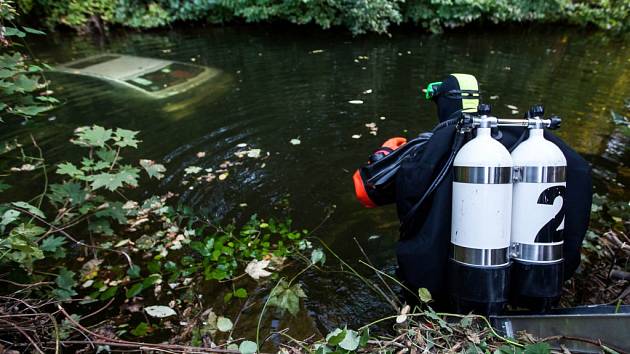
[94, 136]
[112, 181]
[256, 269]
[69, 169]
[124, 138]
[154, 170]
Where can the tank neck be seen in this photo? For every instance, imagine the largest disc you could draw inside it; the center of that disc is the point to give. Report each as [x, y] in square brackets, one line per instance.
[536, 133]
[484, 132]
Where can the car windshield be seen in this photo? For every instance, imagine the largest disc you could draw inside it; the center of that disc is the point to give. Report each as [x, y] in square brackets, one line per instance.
[171, 75]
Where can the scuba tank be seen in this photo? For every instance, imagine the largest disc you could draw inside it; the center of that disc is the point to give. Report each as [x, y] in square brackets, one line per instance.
[538, 212]
[479, 265]
[417, 176]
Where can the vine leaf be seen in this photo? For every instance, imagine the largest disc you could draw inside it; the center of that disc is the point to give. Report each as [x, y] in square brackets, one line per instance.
[287, 297]
[247, 347]
[224, 324]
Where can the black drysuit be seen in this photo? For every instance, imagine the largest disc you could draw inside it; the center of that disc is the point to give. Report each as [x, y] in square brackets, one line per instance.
[423, 249]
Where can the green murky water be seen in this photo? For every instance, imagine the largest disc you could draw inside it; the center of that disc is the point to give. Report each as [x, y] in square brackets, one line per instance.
[274, 88]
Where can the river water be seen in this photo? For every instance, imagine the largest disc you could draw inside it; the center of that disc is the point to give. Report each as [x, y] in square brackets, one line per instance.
[289, 83]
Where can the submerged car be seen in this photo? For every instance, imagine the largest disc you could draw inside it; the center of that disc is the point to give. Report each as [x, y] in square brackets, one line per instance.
[157, 78]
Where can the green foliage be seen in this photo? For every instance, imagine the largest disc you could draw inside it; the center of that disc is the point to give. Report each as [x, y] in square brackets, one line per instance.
[248, 347]
[358, 16]
[27, 235]
[73, 13]
[286, 297]
[343, 341]
[23, 88]
[226, 249]
[65, 285]
[141, 329]
[134, 247]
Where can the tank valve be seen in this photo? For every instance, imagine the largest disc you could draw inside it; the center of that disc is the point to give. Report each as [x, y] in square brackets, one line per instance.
[555, 122]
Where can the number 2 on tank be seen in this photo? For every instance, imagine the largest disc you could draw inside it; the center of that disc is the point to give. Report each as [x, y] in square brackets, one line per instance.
[551, 231]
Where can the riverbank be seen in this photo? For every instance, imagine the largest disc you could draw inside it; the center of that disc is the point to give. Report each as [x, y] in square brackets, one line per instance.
[356, 16]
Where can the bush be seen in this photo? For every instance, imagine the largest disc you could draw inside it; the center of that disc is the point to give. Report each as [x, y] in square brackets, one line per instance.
[23, 87]
[359, 16]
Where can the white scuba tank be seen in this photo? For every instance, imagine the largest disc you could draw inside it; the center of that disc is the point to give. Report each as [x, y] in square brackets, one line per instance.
[481, 223]
[538, 221]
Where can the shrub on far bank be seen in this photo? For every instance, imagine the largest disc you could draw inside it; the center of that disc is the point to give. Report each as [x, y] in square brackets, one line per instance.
[359, 16]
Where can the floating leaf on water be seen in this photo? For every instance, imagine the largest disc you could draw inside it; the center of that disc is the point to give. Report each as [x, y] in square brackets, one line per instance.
[159, 311]
[256, 269]
[512, 107]
[191, 170]
[224, 324]
[356, 136]
[295, 141]
[355, 102]
[254, 153]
